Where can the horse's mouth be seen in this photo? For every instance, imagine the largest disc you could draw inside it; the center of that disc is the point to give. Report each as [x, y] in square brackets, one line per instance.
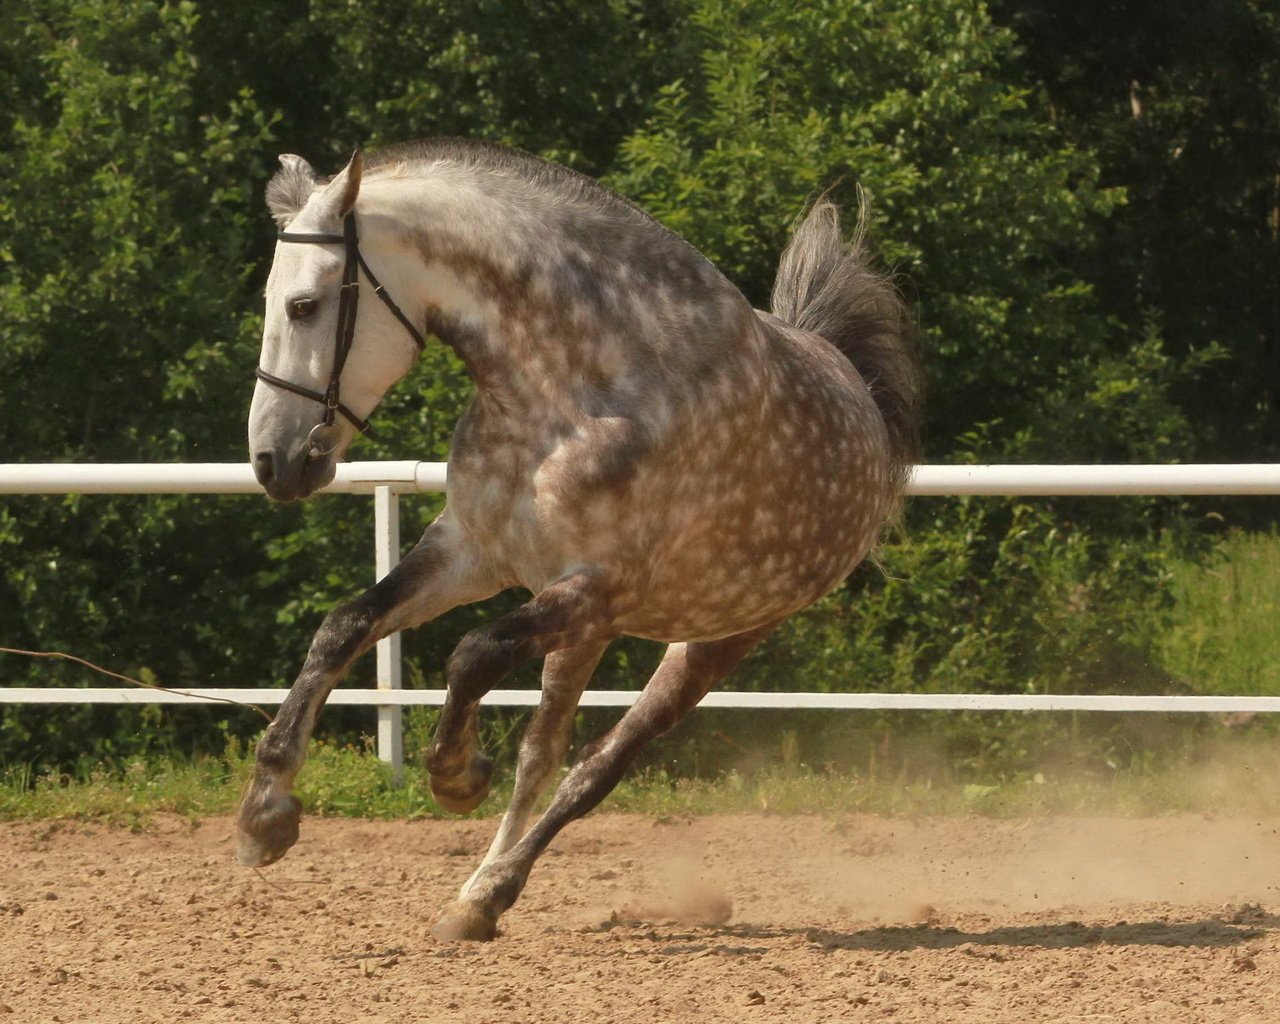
[311, 474]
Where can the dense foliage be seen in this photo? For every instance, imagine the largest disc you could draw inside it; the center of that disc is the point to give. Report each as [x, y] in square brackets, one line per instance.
[1082, 205]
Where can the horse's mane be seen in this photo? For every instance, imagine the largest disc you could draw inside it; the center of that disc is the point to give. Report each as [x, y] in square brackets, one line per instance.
[405, 157]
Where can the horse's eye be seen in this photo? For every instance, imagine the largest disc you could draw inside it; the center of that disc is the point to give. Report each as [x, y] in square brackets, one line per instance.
[300, 309]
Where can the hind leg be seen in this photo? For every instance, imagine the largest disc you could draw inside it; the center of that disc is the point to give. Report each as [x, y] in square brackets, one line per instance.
[564, 677]
[687, 672]
[572, 611]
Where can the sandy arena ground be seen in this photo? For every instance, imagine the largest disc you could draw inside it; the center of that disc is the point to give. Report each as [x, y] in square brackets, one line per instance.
[960, 919]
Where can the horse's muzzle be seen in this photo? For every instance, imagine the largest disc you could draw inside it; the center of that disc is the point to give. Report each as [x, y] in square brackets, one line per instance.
[291, 479]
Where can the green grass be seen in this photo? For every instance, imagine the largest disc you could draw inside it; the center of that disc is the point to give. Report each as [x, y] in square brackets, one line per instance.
[1225, 637]
[1218, 775]
[129, 796]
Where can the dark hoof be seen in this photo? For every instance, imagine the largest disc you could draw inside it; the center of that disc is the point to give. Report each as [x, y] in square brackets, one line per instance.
[464, 922]
[465, 791]
[266, 829]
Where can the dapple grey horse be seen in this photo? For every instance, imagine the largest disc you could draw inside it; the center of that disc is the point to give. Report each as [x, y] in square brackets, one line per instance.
[645, 453]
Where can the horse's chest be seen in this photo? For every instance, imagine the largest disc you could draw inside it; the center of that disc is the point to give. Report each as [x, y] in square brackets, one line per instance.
[495, 505]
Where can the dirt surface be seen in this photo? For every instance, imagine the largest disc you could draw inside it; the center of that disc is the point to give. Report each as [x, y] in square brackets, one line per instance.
[959, 919]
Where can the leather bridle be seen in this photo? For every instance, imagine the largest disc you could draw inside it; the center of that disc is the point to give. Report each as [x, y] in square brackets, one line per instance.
[322, 433]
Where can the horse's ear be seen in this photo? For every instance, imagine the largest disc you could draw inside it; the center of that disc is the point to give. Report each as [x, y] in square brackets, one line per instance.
[289, 190]
[340, 194]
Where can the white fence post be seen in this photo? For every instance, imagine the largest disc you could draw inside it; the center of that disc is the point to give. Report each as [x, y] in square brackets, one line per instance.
[386, 515]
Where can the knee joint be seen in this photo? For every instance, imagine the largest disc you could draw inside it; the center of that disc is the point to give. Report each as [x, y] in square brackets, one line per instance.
[344, 630]
[480, 659]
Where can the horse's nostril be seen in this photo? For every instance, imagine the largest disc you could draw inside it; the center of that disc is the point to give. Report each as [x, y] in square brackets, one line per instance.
[262, 467]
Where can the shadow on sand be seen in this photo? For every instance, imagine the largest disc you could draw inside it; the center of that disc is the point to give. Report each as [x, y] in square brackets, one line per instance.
[1211, 932]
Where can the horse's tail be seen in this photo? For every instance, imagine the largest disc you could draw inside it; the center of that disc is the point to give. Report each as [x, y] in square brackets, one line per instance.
[825, 285]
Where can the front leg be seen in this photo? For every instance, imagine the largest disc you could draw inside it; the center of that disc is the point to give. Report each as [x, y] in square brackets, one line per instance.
[574, 610]
[440, 573]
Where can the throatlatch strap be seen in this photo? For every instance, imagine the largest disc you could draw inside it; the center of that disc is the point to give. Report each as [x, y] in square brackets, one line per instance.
[381, 292]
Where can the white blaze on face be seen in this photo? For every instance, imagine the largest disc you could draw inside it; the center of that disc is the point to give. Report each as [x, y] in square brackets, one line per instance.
[296, 350]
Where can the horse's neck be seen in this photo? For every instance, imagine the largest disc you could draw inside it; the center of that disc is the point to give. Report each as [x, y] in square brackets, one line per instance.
[488, 282]
[557, 308]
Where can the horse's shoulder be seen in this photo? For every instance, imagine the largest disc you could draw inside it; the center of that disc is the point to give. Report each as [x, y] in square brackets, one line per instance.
[608, 452]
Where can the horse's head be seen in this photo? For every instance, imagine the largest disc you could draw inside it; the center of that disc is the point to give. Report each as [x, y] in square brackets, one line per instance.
[323, 368]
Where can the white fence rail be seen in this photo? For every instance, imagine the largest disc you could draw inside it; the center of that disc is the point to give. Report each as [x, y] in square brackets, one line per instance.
[206, 478]
[387, 480]
[421, 477]
[625, 698]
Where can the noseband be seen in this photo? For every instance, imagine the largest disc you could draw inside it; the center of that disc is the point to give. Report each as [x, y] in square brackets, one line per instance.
[324, 437]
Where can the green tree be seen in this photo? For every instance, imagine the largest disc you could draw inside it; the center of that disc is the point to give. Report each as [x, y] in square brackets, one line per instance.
[136, 140]
[1178, 100]
[979, 203]
[128, 263]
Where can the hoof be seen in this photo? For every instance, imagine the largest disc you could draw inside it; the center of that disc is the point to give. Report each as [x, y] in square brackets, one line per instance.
[266, 829]
[464, 922]
[465, 791]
